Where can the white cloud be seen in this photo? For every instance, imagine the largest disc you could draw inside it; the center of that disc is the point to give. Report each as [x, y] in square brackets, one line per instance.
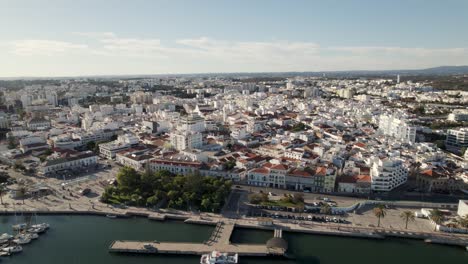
[95, 34]
[32, 47]
[402, 51]
[133, 55]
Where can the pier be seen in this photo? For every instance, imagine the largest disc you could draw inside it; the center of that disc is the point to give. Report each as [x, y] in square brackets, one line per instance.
[218, 241]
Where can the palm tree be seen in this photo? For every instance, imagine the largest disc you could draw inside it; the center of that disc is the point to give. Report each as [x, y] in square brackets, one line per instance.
[407, 216]
[22, 190]
[379, 212]
[462, 221]
[300, 208]
[326, 209]
[436, 216]
[2, 192]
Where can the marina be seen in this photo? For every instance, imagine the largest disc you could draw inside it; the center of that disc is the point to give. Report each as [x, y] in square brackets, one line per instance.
[25, 234]
[92, 235]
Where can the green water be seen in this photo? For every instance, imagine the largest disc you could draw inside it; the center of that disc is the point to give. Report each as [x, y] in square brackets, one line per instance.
[85, 239]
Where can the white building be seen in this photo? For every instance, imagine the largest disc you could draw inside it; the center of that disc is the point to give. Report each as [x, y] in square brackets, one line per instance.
[51, 97]
[387, 174]
[74, 161]
[397, 128]
[123, 142]
[191, 123]
[186, 140]
[26, 100]
[65, 142]
[4, 121]
[96, 135]
[458, 115]
[462, 208]
[181, 167]
[32, 143]
[347, 93]
[38, 124]
[239, 133]
[135, 158]
[457, 138]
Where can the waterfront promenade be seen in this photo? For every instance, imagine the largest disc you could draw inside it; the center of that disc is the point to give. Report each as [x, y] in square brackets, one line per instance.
[219, 241]
[360, 227]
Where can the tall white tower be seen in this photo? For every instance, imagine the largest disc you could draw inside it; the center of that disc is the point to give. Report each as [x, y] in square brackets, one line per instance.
[398, 78]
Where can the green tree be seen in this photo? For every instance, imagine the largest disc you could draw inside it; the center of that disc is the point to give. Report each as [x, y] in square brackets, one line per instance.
[407, 216]
[22, 191]
[149, 182]
[91, 146]
[12, 143]
[326, 209]
[206, 204]
[128, 179]
[173, 195]
[462, 151]
[462, 221]
[437, 217]
[298, 198]
[300, 208]
[379, 212]
[229, 165]
[18, 165]
[257, 198]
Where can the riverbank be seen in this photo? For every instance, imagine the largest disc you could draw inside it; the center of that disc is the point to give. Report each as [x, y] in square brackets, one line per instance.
[328, 229]
[86, 239]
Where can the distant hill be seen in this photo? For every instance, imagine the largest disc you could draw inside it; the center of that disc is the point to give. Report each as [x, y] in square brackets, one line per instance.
[445, 70]
[435, 71]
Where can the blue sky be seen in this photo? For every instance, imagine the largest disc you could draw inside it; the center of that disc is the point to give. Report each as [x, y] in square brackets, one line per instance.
[65, 38]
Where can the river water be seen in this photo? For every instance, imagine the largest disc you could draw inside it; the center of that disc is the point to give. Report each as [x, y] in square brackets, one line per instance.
[85, 239]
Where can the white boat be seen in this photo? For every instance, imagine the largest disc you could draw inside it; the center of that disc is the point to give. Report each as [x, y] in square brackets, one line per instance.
[43, 225]
[5, 238]
[4, 253]
[32, 236]
[13, 249]
[36, 230]
[22, 239]
[217, 257]
[111, 216]
[20, 226]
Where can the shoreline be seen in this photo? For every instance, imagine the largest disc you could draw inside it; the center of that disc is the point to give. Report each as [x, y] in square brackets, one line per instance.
[251, 223]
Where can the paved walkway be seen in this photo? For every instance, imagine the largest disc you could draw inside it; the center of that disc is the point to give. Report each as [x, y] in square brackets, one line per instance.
[219, 241]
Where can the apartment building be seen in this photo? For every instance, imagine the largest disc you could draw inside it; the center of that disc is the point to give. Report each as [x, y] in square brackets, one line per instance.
[123, 142]
[387, 174]
[400, 129]
[457, 138]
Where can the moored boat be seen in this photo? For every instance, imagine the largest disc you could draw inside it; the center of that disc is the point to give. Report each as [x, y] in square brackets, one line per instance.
[19, 227]
[36, 230]
[13, 249]
[22, 239]
[42, 225]
[5, 238]
[32, 236]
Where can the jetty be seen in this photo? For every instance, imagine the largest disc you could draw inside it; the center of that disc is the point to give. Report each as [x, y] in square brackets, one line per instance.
[218, 241]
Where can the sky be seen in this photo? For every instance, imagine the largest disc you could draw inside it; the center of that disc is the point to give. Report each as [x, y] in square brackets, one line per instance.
[115, 37]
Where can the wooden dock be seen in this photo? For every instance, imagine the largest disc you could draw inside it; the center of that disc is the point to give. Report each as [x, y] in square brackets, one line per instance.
[219, 241]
